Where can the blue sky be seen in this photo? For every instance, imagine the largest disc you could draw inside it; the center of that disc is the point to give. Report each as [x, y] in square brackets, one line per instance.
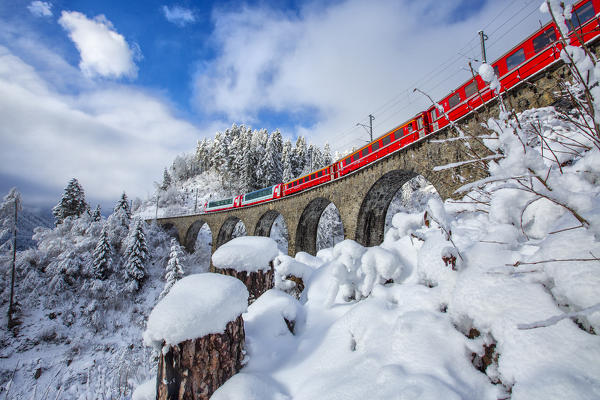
[110, 91]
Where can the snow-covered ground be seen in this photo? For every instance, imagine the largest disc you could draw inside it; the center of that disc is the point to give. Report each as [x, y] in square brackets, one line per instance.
[492, 297]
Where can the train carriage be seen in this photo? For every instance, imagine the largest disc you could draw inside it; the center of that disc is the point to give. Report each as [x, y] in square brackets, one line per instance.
[219, 205]
[261, 195]
[523, 61]
[395, 139]
[304, 182]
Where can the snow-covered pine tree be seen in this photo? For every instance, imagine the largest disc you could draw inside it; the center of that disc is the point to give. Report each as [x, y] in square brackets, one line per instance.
[72, 203]
[327, 155]
[101, 266]
[270, 163]
[97, 214]
[286, 161]
[202, 155]
[166, 180]
[123, 204]
[135, 256]
[299, 156]
[174, 269]
[247, 161]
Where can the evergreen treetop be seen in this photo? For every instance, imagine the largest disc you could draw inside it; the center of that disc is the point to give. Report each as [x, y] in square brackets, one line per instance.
[174, 270]
[123, 204]
[136, 255]
[102, 257]
[72, 203]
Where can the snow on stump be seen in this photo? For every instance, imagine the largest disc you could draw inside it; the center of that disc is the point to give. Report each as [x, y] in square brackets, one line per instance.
[250, 259]
[199, 327]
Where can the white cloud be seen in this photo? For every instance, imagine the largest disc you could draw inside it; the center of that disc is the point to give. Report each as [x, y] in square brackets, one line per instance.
[178, 15]
[103, 51]
[342, 61]
[110, 139]
[40, 8]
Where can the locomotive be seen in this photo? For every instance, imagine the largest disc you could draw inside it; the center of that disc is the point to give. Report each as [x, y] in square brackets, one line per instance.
[526, 59]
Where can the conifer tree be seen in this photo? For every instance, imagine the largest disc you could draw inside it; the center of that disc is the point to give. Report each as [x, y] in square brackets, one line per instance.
[174, 269]
[299, 156]
[326, 155]
[123, 204]
[97, 215]
[102, 258]
[271, 166]
[286, 161]
[72, 203]
[136, 255]
[166, 180]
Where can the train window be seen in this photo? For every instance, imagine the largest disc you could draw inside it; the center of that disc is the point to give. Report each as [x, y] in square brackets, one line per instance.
[320, 174]
[544, 40]
[433, 115]
[375, 146]
[365, 151]
[496, 71]
[471, 89]
[420, 123]
[582, 15]
[515, 59]
[409, 128]
[453, 101]
[313, 176]
[348, 160]
[386, 140]
[356, 156]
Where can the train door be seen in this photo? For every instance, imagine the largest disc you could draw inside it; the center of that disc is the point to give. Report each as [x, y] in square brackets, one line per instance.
[420, 127]
[277, 191]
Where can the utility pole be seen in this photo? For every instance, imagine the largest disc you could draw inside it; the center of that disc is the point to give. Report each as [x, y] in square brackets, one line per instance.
[156, 215]
[483, 37]
[196, 202]
[371, 118]
[14, 268]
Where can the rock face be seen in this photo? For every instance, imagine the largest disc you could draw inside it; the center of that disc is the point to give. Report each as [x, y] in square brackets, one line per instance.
[194, 369]
[256, 282]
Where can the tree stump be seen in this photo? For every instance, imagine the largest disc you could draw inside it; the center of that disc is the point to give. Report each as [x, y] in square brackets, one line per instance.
[194, 369]
[249, 259]
[257, 282]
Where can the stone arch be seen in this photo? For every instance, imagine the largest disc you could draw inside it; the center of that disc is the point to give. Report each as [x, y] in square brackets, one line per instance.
[226, 231]
[370, 225]
[265, 223]
[171, 230]
[264, 227]
[192, 234]
[306, 233]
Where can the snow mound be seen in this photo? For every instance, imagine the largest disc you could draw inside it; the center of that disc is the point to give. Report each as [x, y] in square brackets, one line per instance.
[247, 253]
[250, 387]
[188, 311]
[145, 391]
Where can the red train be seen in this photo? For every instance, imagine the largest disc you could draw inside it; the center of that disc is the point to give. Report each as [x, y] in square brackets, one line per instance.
[526, 59]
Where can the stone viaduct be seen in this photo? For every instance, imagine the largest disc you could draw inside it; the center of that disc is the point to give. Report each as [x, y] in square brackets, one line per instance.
[362, 198]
